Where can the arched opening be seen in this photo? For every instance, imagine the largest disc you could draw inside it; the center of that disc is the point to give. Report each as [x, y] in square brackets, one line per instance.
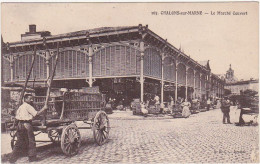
[181, 73]
[181, 79]
[152, 63]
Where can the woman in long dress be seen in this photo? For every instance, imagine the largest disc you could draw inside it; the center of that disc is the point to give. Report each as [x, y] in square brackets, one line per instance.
[186, 109]
[143, 109]
[218, 104]
[171, 105]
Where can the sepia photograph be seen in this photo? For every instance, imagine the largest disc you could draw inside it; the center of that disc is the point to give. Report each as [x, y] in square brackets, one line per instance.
[129, 82]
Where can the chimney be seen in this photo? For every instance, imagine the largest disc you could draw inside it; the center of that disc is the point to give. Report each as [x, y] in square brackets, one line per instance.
[32, 28]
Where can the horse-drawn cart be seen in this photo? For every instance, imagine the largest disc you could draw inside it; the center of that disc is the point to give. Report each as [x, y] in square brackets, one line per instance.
[61, 117]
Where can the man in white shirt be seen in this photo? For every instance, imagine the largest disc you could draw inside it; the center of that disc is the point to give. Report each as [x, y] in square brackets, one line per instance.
[25, 135]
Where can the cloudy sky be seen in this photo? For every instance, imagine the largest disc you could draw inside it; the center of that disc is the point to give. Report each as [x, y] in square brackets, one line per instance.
[222, 39]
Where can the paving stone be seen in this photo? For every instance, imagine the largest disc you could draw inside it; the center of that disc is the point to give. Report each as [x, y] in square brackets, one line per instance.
[202, 138]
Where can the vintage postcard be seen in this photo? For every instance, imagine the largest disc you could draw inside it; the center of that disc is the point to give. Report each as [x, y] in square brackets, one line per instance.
[130, 82]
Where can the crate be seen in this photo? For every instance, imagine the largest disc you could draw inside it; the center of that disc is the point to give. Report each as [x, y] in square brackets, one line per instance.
[77, 105]
[54, 104]
[154, 109]
[82, 105]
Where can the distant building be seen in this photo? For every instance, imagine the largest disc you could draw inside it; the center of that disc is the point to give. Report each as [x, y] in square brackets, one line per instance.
[239, 86]
[236, 86]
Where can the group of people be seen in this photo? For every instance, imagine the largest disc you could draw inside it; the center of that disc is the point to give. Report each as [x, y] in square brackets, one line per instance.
[223, 104]
[184, 104]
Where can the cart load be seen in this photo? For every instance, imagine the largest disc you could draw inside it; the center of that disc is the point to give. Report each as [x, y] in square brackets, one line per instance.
[62, 114]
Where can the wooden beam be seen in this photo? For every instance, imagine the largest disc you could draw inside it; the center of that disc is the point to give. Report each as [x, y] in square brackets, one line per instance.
[118, 36]
[128, 36]
[99, 40]
[108, 39]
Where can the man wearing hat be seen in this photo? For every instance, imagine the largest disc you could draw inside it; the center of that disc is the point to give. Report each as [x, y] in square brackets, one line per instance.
[25, 136]
[225, 108]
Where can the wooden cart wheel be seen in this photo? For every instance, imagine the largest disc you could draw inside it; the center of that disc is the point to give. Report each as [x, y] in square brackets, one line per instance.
[54, 136]
[70, 140]
[101, 128]
[14, 138]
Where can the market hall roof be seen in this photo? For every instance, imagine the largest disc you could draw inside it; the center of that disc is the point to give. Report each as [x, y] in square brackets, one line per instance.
[76, 35]
[95, 36]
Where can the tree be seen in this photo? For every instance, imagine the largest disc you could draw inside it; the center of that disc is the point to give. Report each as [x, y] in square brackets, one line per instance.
[227, 92]
[247, 99]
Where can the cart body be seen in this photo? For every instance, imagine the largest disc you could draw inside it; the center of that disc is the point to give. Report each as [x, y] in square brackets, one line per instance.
[64, 111]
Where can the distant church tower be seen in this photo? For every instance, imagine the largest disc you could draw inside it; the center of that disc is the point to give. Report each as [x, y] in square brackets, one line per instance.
[230, 75]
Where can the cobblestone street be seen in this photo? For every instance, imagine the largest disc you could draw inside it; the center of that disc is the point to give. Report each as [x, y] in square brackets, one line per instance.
[134, 139]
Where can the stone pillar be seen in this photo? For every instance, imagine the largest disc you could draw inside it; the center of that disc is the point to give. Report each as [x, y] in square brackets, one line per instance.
[142, 71]
[90, 50]
[48, 64]
[219, 89]
[162, 80]
[222, 91]
[186, 83]
[176, 81]
[48, 68]
[209, 86]
[12, 67]
[200, 86]
[194, 83]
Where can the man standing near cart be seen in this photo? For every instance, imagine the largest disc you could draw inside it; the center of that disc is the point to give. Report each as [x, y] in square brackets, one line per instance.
[25, 135]
[225, 108]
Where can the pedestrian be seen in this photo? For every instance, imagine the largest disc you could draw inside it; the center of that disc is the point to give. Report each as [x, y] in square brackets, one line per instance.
[208, 104]
[172, 105]
[218, 104]
[157, 103]
[162, 108]
[143, 109]
[25, 136]
[225, 108]
[199, 103]
[186, 109]
[157, 100]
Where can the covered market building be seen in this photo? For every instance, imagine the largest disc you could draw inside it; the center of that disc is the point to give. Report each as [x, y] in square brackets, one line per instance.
[124, 62]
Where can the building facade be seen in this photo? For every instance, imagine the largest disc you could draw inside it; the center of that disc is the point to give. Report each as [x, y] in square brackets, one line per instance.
[239, 86]
[133, 62]
[236, 86]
